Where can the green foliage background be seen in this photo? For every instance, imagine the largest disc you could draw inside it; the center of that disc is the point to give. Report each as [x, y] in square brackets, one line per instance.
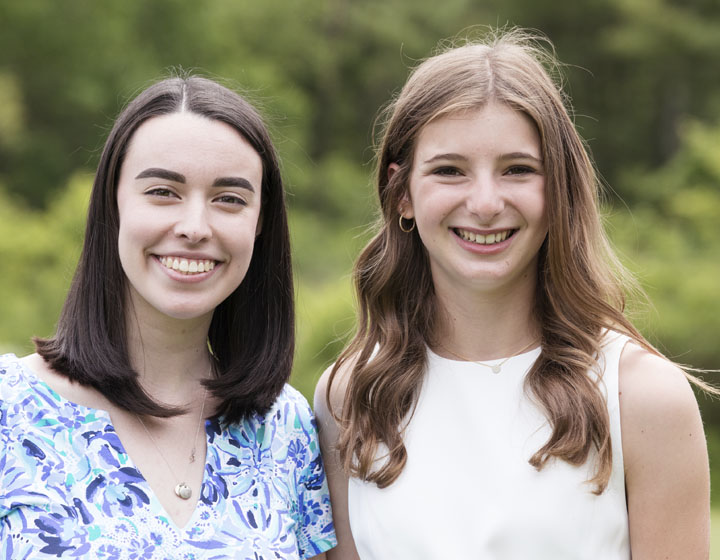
[642, 74]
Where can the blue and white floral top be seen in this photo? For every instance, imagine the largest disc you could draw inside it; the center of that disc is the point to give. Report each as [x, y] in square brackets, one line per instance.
[69, 490]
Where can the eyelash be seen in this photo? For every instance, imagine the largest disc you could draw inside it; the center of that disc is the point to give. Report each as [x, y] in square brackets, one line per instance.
[231, 199]
[162, 192]
[447, 171]
[519, 169]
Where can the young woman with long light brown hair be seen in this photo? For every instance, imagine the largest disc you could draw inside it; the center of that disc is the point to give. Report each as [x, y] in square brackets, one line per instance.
[495, 402]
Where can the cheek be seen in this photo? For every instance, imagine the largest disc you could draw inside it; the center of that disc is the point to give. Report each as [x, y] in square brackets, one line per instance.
[239, 241]
[135, 235]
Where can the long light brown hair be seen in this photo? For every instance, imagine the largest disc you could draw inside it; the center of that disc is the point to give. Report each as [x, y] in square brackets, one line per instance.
[581, 286]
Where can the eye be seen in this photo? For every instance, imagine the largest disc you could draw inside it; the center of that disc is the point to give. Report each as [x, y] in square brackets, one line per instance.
[447, 171]
[231, 199]
[520, 170]
[160, 192]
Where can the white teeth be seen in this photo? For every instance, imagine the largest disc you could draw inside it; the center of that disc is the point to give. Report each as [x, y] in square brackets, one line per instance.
[187, 266]
[481, 239]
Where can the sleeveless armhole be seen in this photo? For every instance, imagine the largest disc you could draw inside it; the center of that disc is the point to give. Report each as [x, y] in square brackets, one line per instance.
[612, 346]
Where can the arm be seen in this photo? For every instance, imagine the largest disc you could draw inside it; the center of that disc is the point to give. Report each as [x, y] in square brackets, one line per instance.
[337, 479]
[666, 461]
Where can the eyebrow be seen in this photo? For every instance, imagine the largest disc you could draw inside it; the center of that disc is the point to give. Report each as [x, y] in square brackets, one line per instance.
[521, 155]
[460, 157]
[233, 182]
[451, 157]
[160, 173]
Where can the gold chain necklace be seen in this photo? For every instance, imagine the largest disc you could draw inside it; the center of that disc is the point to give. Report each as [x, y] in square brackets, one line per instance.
[182, 489]
[495, 368]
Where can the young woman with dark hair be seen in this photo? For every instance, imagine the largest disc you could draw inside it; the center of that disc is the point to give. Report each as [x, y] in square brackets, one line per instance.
[157, 422]
[478, 411]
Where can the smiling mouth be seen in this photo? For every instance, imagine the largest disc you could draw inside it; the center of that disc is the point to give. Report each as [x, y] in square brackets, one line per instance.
[480, 239]
[187, 266]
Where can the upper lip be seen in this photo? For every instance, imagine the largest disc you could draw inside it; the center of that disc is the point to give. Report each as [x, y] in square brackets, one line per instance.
[188, 255]
[484, 231]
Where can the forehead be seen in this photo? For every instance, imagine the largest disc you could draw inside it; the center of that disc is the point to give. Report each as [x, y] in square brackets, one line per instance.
[189, 140]
[494, 126]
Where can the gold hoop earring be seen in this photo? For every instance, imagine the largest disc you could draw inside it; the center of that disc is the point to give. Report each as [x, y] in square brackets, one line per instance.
[400, 221]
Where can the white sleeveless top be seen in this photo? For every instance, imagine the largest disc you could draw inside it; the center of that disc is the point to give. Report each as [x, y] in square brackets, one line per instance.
[468, 491]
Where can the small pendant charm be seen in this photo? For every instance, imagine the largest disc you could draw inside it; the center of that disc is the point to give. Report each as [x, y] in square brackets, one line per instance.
[496, 368]
[183, 491]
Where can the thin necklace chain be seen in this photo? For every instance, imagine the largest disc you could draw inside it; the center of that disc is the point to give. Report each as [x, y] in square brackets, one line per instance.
[182, 489]
[495, 368]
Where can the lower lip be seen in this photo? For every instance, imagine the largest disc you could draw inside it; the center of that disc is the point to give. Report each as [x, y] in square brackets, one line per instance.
[482, 249]
[178, 276]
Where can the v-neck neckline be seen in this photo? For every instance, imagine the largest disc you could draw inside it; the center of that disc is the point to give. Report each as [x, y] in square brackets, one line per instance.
[103, 415]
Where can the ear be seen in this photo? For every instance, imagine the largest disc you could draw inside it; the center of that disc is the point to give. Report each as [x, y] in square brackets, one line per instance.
[404, 208]
[258, 227]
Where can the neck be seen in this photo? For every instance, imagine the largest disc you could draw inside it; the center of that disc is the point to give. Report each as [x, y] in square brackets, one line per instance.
[487, 325]
[171, 357]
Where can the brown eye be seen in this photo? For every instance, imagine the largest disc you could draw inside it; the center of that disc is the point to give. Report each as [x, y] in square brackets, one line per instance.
[447, 171]
[519, 170]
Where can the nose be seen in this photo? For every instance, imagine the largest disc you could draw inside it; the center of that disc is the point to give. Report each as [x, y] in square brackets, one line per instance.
[485, 198]
[193, 223]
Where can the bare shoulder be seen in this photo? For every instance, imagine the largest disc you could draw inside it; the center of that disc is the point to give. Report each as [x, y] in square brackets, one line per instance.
[338, 388]
[658, 409]
[329, 430]
[652, 388]
[665, 459]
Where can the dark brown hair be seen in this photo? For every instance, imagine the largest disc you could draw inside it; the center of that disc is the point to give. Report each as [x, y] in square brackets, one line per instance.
[252, 332]
[581, 286]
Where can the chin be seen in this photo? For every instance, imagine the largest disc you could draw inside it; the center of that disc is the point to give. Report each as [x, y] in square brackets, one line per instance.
[185, 312]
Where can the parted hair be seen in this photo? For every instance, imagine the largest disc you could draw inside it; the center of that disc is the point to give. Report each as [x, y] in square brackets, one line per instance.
[251, 334]
[581, 286]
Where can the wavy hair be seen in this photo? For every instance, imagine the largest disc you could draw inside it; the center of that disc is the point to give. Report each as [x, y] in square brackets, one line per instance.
[251, 334]
[581, 286]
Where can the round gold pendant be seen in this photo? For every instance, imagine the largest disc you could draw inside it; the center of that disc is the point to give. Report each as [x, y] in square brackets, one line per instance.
[183, 491]
[496, 368]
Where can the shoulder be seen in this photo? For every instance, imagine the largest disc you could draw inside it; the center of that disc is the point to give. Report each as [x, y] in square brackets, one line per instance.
[651, 385]
[21, 398]
[13, 377]
[326, 405]
[665, 458]
[657, 405]
[290, 408]
[9, 362]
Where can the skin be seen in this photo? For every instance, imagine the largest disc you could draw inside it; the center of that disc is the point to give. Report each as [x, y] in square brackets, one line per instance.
[666, 462]
[481, 172]
[189, 187]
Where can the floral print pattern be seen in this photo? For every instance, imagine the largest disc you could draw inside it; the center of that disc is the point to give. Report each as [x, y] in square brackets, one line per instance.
[69, 490]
